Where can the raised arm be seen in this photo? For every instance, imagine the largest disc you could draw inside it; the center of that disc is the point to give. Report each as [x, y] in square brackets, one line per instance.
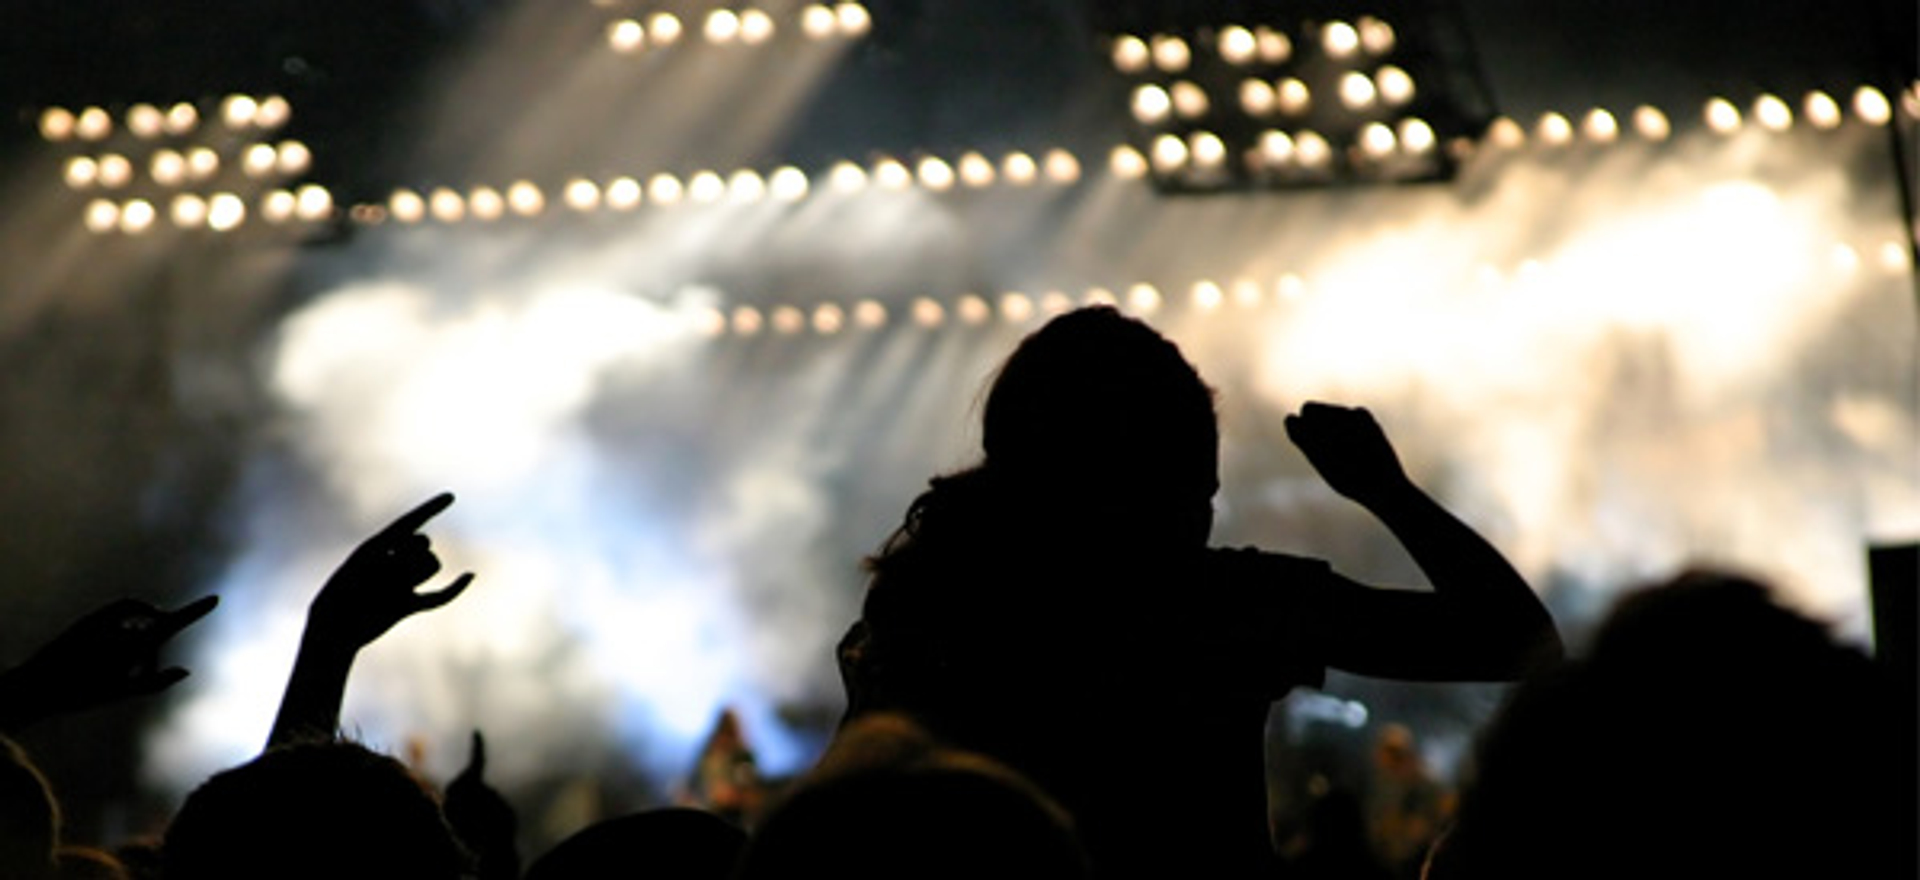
[111, 654]
[1481, 622]
[369, 593]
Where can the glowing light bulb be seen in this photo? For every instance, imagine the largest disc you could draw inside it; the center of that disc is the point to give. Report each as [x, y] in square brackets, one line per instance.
[407, 206]
[847, 177]
[526, 199]
[58, 124]
[295, 158]
[626, 36]
[927, 313]
[624, 194]
[1651, 123]
[1823, 112]
[446, 205]
[723, 25]
[146, 121]
[853, 19]
[313, 202]
[182, 119]
[1237, 45]
[277, 206]
[973, 310]
[828, 319]
[1601, 127]
[93, 124]
[1377, 140]
[581, 194]
[1869, 103]
[102, 216]
[664, 28]
[1171, 53]
[1312, 149]
[1416, 135]
[273, 112]
[1357, 91]
[225, 212]
[818, 22]
[137, 216]
[788, 320]
[1019, 168]
[1131, 55]
[868, 315]
[747, 321]
[976, 170]
[1208, 150]
[259, 160]
[1169, 153]
[890, 174]
[1189, 100]
[1016, 307]
[1271, 45]
[706, 187]
[1256, 97]
[486, 203]
[81, 172]
[788, 184]
[1376, 36]
[1099, 296]
[746, 186]
[1340, 39]
[1396, 85]
[1555, 129]
[1151, 104]
[1722, 116]
[665, 189]
[115, 171]
[1143, 298]
[1276, 147]
[1294, 97]
[935, 174]
[1208, 296]
[756, 27]
[1061, 166]
[1126, 163]
[189, 210]
[1772, 113]
[237, 111]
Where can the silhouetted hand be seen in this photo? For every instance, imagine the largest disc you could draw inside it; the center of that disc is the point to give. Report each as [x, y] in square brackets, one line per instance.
[374, 588]
[482, 819]
[111, 654]
[1349, 450]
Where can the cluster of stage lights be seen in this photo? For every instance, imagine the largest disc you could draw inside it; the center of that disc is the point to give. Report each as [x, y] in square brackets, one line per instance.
[173, 168]
[1204, 296]
[971, 170]
[746, 27]
[1818, 110]
[237, 113]
[220, 212]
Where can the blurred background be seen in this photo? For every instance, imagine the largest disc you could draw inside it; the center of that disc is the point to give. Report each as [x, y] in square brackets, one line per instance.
[687, 301]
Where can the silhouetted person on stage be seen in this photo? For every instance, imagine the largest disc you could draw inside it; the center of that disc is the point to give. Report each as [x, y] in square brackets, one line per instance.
[1057, 607]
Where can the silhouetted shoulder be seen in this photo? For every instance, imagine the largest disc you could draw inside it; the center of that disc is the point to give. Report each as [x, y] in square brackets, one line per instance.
[1268, 608]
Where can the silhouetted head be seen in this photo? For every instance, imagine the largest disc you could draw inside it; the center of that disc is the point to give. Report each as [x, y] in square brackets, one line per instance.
[666, 844]
[87, 863]
[1100, 406]
[313, 811]
[29, 817]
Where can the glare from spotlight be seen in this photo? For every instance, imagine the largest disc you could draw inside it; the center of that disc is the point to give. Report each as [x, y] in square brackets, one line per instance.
[259, 160]
[1377, 140]
[93, 124]
[1169, 153]
[1376, 36]
[1061, 166]
[1189, 100]
[1237, 45]
[295, 158]
[1396, 85]
[935, 174]
[1313, 150]
[57, 124]
[225, 211]
[928, 313]
[1823, 112]
[745, 186]
[1208, 296]
[115, 171]
[274, 111]
[525, 199]
[1555, 129]
[1506, 133]
[624, 194]
[1099, 296]
[1208, 150]
[1869, 103]
[854, 20]
[1055, 302]
[1271, 46]
[1016, 307]
[486, 203]
[976, 170]
[81, 172]
[892, 174]
[1339, 39]
[706, 187]
[747, 321]
[663, 28]
[407, 206]
[314, 202]
[1651, 123]
[1171, 53]
[712, 323]
[1722, 116]
[277, 206]
[1151, 104]
[581, 194]
[182, 118]
[1893, 257]
[828, 319]
[1126, 163]
[446, 205]
[868, 315]
[723, 25]
[788, 320]
[237, 111]
[1357, 91]
[1019, 168]
[788, 184]
[137, 216]
[1601, 127]
[146, 121]
[1416, 135]
[1293, 95]
[1845, 259]
[189, 210]
[626, 35]
[817, 22]
[1276, 147]
[665, 189]
[1246, 293]
[756, 27]
[972, 310]
[1131, 55]
[1256, 97]
[1291, 287]
[102, 215]
[1143, 298]
[847, 177]
[1772, 113]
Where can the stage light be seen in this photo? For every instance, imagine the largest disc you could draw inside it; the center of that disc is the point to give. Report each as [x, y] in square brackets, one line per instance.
[102, 215]
[581, 194]
[1170, 53]
[1291, 287]
[1055, 302]
[81, 172]
[1189, 100]
[1845, 259]
[1339, 39]
[1061, 166]
[1130, 54]
[935, 174]
[854, 20]
[1275, 148]
[225, 212]
[189, 210]
[1271, 45]
[890, 174]
[1016, 307]
[93, 124]
[663, 28]
[146, 121]
[1208, 150]
[976, 170]
[1396, 85]
[623, 194]
[817, 21]
[259, 160]
[367, 214]
[1506, 134]
[745, 186]
[1143, 298]
[57, 124]
[137, 216]
[722, 26]
[314, 202]
[972, 310]
[1293, 96]
[1722, 116]
[869, 315]
[115, 171]
[407, 206]
[237, 111]
[1651, 123]
[1772, 113]
[1894, 257]
[1376, 36]
[788, 320]
[274, 111]
[182, 119]
[525, 199]
[626, 35]
[1256, 97]
[756, 27]
[1313, 150]
[1099, 296]
[1416, 135]
[1126, 163]
[1246, 293]
[1208, 296]
[202, 163]
[1151, 104]
[788, 184]
[1237, 45]
[1601, 127]
[1019, 168]
[1823, 112]
[486, 203]
[1377, 140]
[277, 206]
[295, 158]
[711, 323]
[747, 321]
[665, 189]
[928, 313]
[1555, 129]
[828, 319]
[847, 177]
[1169, 153]
[446, 205]
[1356, 90]
[1869, 103]
[705, 187]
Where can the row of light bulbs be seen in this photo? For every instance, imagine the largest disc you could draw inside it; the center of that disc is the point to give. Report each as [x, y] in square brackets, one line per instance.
[1770, 112]
[173, 168]
[1156, 104]
[220, 212]
[149, 122]
[1242, 46]
[750, 27]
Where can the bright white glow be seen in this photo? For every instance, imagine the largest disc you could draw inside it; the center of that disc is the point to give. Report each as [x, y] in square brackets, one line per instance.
[869, 315]
[756, 27]
[1416, 135]
[314, 203]
[168, 168]
[93, 124]
[1061, 166]
[972, 309]
[706, 187]
[626, 35]
[1869, 103]
[976, 170]
[81, 172]
[1377, 140]
[277, 206]
[1256, 97]
[788, 320]
[711, 323]
[1772, 113]
[1356, 90]
[1823, 112]
[1651, 123]
[817, 21]
[1601, 127]
[1131, 55]
[1276, 147]
[1894, 257]
[1189, 100]
[747, 321]
[1396, 85]
[1016, 307]
[935, 174]
[115, 171]
[446, 205]
[407, 206]
[1143, 298]
[1555, 130]
[664, 28]
[486, 203]
[1151, 104]
[190, 210]
[1126, 163]
[1055, 302]
[295, 158]
[1169, 153]
[1294, 96]
[102, 215]
[1171, 53]
[1099, 296]
[847, 177]
[745, 186]
[1208, 296]
[1340, 39]
[1291, 287]
[1506, 133]
[1376, 36]
[1019, 168]
[581, 194]
[237, 111]
[1272, 46]
[146, 121]
[1313, 150]
[526, 199]
[723, 25]
[259, 160]
[57, 124]
[1844, 258]
[788, 184]
[1722, 116]
[202, 163]
[1237, 45]
[225, 212]
[182, 119]
[892, 174]
[927, 313]
[137, 216]
[273, 112]
[624, 194]
[665, 189]
[1207, 149]
[1246, 293]
[853, 18]
[828, 319]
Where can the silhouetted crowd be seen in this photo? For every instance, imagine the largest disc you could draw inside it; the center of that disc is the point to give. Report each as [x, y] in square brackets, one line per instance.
[1053, 675]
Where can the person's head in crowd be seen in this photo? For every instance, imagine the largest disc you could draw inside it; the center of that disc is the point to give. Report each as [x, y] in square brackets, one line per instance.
[311, 811]
[674, 843]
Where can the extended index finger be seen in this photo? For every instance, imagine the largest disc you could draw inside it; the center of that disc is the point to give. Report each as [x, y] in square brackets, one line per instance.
[412, 520]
